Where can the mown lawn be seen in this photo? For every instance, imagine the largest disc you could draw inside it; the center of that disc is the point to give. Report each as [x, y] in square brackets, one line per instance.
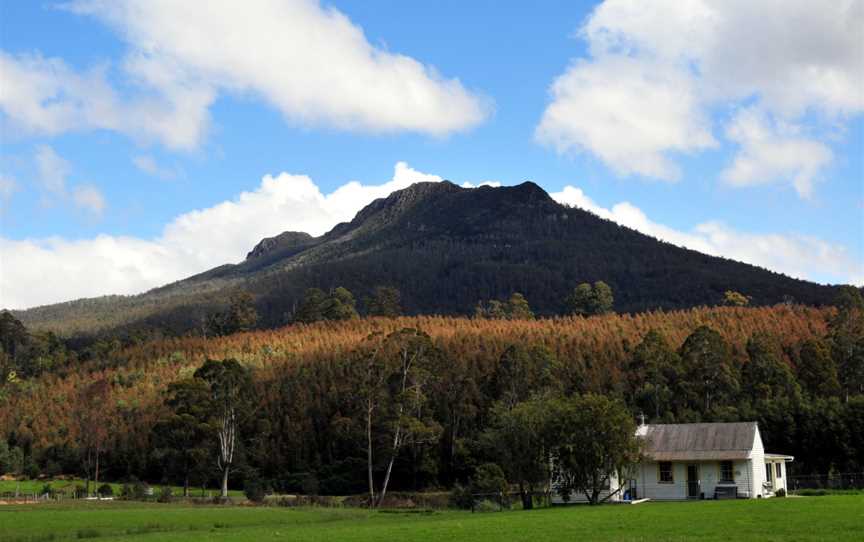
[814, 518]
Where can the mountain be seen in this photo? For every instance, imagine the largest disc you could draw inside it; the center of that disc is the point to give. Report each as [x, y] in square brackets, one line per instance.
[446, 247]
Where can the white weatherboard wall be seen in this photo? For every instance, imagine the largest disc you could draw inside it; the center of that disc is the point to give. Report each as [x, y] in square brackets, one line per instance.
[757, 457]
[648, 484]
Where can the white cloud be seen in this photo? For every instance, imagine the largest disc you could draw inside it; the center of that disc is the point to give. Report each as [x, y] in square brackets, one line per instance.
[53, 170]
[494, 184]
[191, 243]
[771, 152]
[148, 164]
[89, 198]
[628, 113]
[309, 62]
[796, 255]
[44, 96]
[656, 71]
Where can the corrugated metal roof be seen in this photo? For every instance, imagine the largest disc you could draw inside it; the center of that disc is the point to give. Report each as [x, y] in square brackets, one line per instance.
[698, 441]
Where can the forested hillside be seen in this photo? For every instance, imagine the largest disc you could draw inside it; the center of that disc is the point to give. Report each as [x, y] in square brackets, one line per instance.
[445, 248]
[306, 417]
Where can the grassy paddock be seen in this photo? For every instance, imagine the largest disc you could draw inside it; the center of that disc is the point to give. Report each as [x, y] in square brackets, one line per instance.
[824, 518]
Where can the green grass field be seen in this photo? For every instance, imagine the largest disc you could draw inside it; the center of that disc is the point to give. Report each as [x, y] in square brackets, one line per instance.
[815, 518]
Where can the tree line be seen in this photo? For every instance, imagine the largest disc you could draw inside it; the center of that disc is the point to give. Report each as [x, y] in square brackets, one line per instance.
[348, 406]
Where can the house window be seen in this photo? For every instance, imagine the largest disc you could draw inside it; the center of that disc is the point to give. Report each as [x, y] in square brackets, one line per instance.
[768, 471]
[726, 474]
[779, 470]
[665, 472]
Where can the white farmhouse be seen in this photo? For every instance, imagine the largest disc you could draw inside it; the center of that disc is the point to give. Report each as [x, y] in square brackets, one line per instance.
[698, 461]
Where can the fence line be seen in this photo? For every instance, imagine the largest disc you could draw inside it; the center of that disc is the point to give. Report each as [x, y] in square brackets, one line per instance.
[845, 480]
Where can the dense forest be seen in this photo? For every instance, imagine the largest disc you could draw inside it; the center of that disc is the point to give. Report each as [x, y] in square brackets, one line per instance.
[313, 406]
[445, 248]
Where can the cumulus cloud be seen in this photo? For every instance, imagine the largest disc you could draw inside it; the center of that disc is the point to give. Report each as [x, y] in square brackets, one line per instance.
[656, 72]
[628, 113]
[771, 151]
[309, 62]
[191, 243]
[799, 256]
[44, 96]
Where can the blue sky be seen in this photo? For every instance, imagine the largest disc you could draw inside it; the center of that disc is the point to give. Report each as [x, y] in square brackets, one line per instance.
[130, 130]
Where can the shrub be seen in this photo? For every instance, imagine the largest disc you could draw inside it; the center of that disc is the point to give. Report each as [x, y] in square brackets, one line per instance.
[489, 478]
[255, 490]
[165, 494]
[461, 497]
[80, 492]
[140, 490]
[105, 490]
[487, 506]
[47, 490]
[780, 493]
[310, 485]
[134, 490]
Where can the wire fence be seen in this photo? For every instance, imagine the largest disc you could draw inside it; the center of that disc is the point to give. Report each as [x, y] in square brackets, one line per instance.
[841, 481]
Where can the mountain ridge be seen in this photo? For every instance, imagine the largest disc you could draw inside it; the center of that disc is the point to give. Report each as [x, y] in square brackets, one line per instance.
[446, 248]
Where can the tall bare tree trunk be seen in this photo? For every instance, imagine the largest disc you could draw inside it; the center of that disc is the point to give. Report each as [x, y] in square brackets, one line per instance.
[369, 453]
[96, 476]
[224, 492]
[396, 444]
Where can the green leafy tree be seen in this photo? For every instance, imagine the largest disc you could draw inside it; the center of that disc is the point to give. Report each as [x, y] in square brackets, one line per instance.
[847, 340]
[816, 370]
[517, 438]
[518, 308]
[241, 315]
[312, 307]
[654, 370]
[603, 298]
[13, 334]
[409, 353]
[766, 375]
[492, 310]
[735, 299]
[588, 300]
[385, 302]
[340, 305]
[710, 378]
[181, 439]
[229, 385]
[394, 389]
[92, 430]
[581, 301]
[592, 438]
[522, 371]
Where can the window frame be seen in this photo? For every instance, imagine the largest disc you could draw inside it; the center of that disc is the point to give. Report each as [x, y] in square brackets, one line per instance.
[722, 478]
[661, 470]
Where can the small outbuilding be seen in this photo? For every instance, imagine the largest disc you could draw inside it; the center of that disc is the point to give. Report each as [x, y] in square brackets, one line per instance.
[699, 461]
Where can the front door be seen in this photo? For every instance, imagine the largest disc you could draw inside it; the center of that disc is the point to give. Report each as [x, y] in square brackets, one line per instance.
[693, 485]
